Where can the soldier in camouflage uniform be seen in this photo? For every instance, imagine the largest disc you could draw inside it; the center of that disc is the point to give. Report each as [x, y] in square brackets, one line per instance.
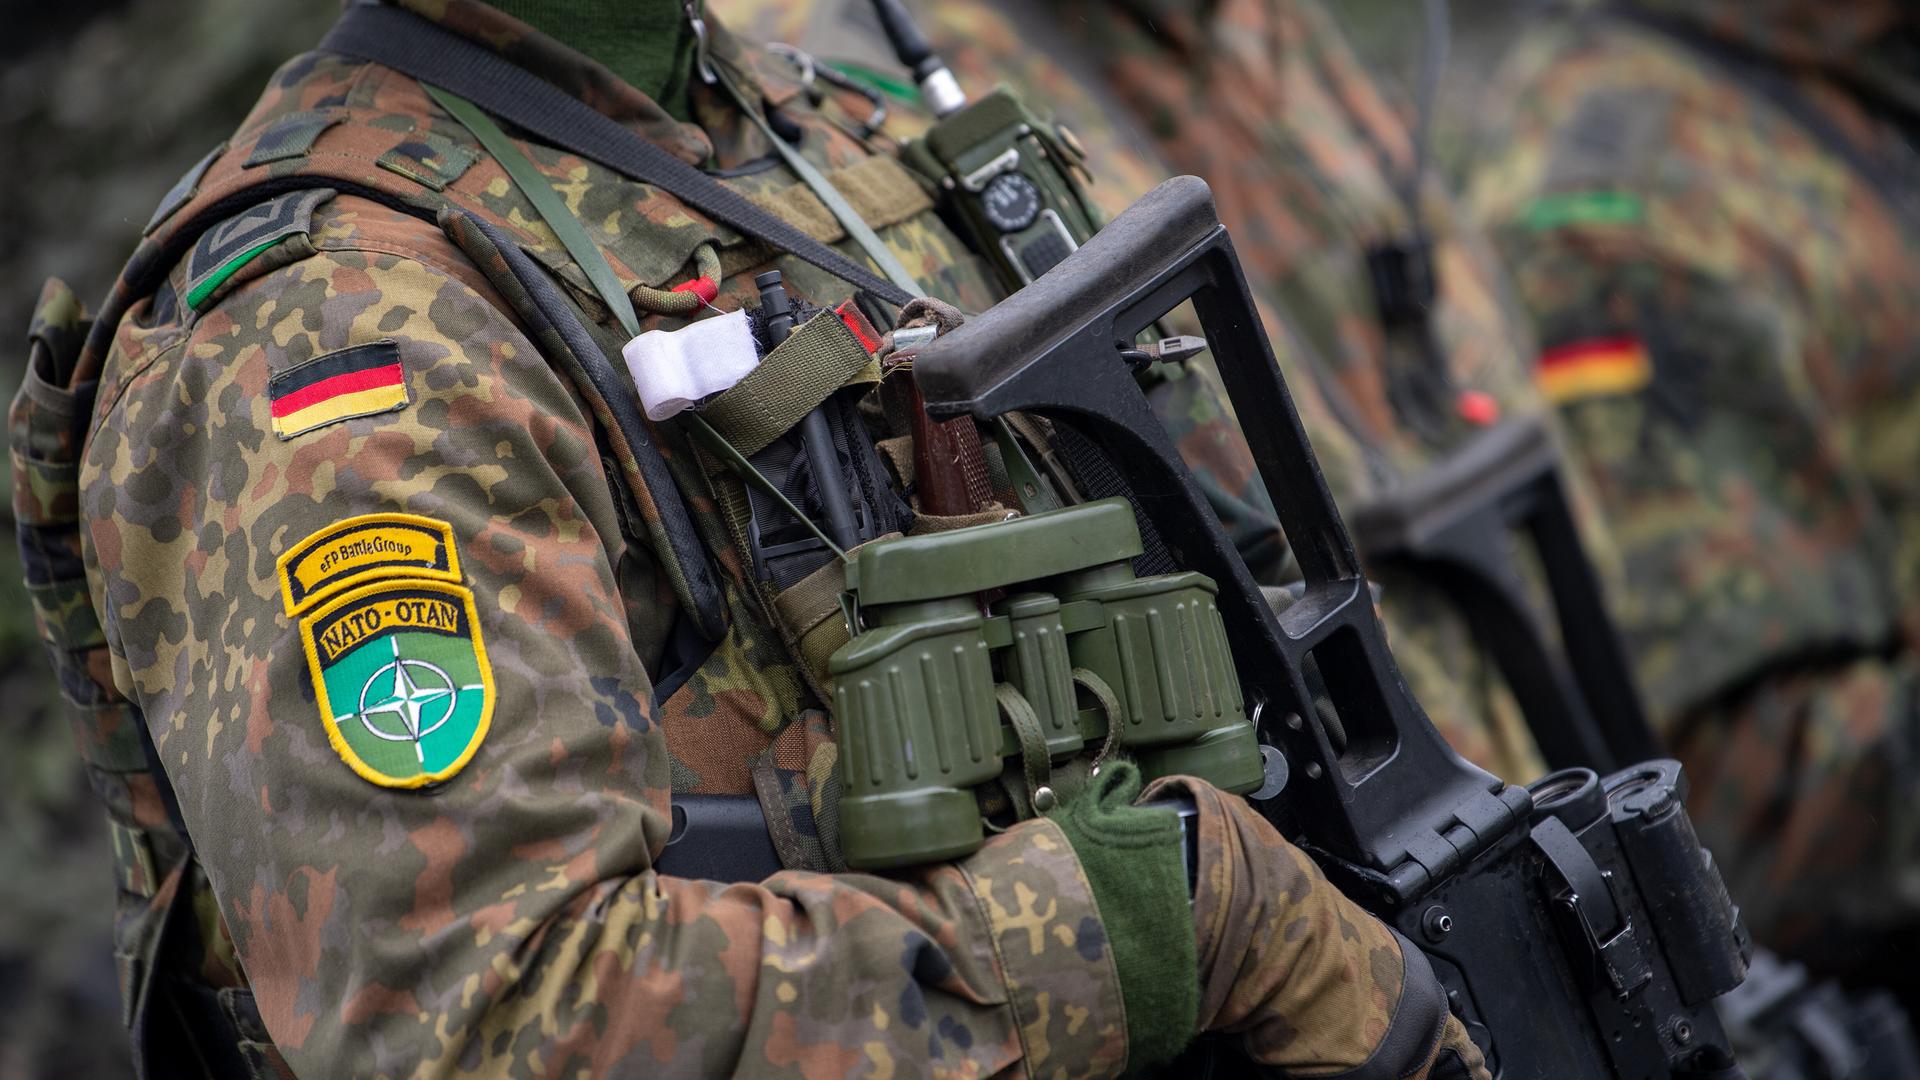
[1313, 171]
[1710, 209]
[318, 408]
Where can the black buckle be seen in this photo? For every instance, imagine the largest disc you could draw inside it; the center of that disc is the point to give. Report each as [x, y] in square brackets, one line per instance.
[1589, 913]
[771, 560]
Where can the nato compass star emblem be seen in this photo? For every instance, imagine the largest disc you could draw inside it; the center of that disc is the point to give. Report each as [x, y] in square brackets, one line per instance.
[420, 698]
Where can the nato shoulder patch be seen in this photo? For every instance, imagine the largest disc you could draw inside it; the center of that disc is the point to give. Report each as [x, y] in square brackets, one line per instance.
[360, 380]
[402, 680]
[222, 251]
[370, 547]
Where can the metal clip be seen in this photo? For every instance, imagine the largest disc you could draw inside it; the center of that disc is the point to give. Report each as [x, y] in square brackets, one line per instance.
[701, 64]
[912, 338]
[1174, 349]
[1007, 162]
[1597, 926]
[813, 72]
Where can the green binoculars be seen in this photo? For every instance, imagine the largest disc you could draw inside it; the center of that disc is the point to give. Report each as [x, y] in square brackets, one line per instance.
[939, 688]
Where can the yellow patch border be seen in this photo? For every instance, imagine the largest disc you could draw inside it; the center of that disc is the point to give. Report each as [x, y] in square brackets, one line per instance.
[387, 571]
[338, 741]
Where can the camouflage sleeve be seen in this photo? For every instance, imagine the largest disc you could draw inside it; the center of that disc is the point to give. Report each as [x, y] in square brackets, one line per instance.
[1745, 531]
[1758, 602]
[447, 561]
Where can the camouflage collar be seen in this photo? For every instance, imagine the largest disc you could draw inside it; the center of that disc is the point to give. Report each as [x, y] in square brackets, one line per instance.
[1865, 44]
[592, 83]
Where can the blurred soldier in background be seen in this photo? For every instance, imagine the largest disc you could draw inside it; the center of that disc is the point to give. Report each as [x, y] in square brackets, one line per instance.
[1711, 210]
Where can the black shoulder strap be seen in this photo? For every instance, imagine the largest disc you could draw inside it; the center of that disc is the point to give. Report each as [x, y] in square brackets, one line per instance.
[416, 47]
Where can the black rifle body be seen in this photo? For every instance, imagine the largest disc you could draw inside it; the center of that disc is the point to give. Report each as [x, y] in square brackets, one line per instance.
[1580, 934]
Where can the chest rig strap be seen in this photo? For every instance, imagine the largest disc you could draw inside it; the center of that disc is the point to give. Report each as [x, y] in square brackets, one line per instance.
[547, 203]
[714, 835]
[415, 47]
[836, 203]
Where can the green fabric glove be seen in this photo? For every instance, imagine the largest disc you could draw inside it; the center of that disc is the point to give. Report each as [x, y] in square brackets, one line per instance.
[648, 43]
[1131, 855]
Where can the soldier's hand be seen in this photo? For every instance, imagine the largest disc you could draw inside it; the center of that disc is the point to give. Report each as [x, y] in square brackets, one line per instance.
[1306, 976]
[1459, 1057]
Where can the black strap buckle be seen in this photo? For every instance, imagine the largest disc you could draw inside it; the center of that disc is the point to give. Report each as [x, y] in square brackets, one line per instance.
[1403, 282]
[1589, 913]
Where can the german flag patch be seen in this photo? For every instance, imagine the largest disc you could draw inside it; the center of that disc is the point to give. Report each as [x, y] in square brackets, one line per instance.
[360, 381]
[1596, 367]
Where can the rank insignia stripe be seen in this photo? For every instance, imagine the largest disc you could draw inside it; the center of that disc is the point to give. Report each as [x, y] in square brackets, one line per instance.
[359, 381]
[401, 680]
[225, 250]
[370, 547]
[1594, 367]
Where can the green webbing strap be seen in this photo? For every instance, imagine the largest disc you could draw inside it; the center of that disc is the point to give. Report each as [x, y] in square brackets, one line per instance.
[1036, 766]
[857, 228]
[816, 360]
[546, 202]
[1109, 703]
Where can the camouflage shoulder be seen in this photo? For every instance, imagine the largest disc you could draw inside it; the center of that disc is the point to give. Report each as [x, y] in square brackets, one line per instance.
[1583, 132]
[302, 305]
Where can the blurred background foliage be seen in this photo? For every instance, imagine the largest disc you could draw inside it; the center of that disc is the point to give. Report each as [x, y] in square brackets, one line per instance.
[102, 104]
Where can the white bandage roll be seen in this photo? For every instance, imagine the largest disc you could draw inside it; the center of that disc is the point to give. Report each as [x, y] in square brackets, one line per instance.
[676, 369]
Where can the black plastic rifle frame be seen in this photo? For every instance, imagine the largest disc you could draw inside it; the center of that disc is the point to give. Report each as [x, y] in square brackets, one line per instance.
[1461, 524]
[1560, 958]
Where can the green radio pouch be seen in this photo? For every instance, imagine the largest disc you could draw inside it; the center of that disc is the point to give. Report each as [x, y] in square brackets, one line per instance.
[1011, 182]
